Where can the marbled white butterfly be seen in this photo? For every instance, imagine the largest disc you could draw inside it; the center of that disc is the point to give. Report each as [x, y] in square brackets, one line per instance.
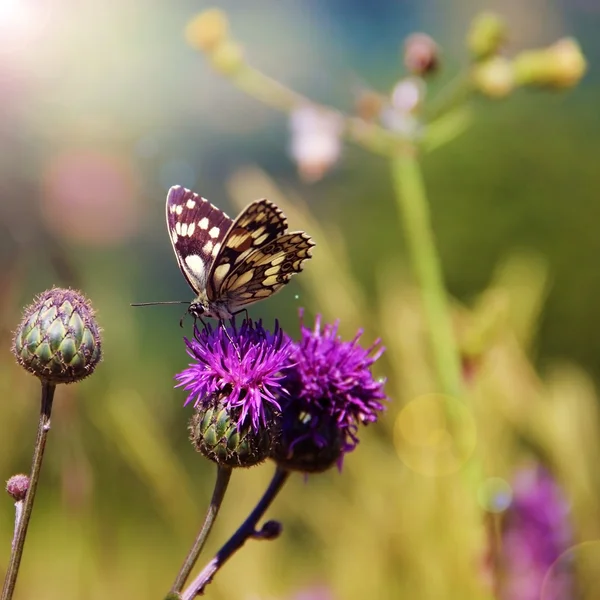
[232, 264]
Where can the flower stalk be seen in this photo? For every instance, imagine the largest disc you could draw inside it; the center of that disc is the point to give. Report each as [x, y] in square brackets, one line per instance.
[414, 210]
[246, 531]
[22, 523]
[221, 484]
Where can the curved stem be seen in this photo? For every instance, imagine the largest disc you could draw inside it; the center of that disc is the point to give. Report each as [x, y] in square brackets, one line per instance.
[246, 530]
[223, 476]
[414, 209]
[274, 94]
[10, 579]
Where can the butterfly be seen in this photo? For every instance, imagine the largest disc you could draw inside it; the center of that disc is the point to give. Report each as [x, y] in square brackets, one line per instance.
[231, 264]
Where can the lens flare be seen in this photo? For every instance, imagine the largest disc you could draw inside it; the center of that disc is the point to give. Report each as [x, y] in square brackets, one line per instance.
[435, 435]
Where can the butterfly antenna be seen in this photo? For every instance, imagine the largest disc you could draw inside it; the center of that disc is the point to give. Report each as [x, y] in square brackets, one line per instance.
[157, 303]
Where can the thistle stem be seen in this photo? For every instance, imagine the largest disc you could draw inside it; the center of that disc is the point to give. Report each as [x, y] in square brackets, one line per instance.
[245, 531]
[223, 476]
[12, 572]
[414, 209]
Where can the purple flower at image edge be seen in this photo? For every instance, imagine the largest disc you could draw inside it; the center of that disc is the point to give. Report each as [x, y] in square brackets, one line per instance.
[536, 537]
[245, 364]
[331, 380]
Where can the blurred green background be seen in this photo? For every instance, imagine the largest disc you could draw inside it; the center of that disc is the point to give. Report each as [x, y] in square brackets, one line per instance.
[104, 107]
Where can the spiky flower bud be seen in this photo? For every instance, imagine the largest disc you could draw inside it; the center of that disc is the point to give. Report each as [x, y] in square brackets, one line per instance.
[421, 54]
[559, 66]
[218, 435]
[58, 339]
[487, 35]
[17, 487]
[207, 30]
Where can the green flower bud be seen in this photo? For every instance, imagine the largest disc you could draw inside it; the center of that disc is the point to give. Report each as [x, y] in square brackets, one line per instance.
[487, 35]
[58, 339]
[215, 433]
[494, 77]
[559, 66]
[207, 30]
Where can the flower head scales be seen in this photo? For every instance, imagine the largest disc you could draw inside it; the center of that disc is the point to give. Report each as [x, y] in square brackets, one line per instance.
[245, 365]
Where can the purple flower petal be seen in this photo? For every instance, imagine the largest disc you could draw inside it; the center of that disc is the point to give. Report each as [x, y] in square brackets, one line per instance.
[244, 364]
[332, 381]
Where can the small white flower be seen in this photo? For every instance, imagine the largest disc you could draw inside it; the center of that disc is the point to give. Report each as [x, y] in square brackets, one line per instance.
[405, 100]
[315, 144]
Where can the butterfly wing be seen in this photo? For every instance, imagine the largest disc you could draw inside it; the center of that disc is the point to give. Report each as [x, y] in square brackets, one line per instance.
[265, 270]
[257, 225]
[197, 230]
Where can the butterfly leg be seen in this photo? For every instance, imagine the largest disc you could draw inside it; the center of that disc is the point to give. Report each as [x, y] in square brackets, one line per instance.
[182, 318]
[243, 310]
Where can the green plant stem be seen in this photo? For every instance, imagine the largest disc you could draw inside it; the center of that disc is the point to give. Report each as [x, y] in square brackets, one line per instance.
[414, 211]
[12, 572]
[221, 483]
[272, 93]
[453, 94]
[238, 539]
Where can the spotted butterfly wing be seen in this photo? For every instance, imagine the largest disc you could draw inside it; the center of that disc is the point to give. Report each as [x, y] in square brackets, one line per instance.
[232, 264]
[196, 229]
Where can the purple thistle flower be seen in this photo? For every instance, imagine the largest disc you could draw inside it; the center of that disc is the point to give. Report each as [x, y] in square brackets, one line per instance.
[244, 365]
[331, 390]
[536, 533]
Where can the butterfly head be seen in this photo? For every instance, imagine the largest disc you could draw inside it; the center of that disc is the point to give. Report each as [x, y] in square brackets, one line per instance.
[196, 309]
[201, 307]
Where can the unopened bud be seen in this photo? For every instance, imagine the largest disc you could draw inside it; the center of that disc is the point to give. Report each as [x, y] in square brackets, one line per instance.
[207, 30]
[17, 487]
[487, 35]
[421, 54]
[58, 339]
[494, 77]
[269, 531]
[561, 65]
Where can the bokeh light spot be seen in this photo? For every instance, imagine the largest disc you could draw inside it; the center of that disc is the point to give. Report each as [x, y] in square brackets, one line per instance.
[435, 435]
[495, 495]
[583, 560]
[89, 197]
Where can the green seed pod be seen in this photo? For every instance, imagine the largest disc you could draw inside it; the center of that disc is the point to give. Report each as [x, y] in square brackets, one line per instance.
[58, 339]
[314, 449]
[214, 432]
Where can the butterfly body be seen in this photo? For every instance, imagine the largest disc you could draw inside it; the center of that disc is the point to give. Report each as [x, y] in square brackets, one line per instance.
[231, 264]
